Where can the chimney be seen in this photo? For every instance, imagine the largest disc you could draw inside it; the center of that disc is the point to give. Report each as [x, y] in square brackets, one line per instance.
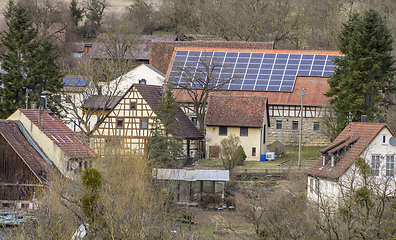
[41, 116]
[33, 105]
[363, 118]
[142, 81]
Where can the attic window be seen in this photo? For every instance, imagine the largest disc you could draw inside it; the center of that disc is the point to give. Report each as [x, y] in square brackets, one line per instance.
[133, 106]
[384, 139]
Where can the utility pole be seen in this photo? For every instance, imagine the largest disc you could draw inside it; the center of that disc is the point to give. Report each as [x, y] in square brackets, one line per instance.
[301, 124]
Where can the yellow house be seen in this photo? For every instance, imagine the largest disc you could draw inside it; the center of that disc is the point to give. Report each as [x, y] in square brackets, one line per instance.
[245, 116]
[59, 143]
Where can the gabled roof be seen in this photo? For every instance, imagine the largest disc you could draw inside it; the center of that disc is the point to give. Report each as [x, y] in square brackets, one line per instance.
[59, 133]
[141, 46]
[238, 111]
[152, 95]
[12, 133]
[100, 102]
[162, 51]
[357, 139]
[314, 95]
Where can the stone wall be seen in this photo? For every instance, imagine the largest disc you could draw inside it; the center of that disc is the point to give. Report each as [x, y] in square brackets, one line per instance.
[290, 136]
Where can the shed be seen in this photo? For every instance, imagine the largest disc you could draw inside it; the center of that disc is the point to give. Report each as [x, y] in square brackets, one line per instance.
[278, 147]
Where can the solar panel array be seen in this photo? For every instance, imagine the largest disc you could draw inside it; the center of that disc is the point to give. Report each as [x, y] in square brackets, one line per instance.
[249, 71]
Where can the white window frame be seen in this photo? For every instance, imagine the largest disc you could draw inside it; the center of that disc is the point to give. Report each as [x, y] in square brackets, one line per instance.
[390, 166]
[384, 139]
[375, 164]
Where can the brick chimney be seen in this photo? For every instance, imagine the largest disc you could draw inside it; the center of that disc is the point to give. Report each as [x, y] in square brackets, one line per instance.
[41, 116]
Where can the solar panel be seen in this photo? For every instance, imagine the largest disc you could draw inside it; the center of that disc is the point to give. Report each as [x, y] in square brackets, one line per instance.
[249, 71]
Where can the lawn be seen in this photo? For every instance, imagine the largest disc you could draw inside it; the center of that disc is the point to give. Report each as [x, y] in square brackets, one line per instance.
[308, 156]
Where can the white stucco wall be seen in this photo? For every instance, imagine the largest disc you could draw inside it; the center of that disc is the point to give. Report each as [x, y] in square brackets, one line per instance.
[377, 146]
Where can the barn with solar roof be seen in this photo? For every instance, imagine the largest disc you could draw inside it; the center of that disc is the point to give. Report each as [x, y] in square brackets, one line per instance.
[278, 75]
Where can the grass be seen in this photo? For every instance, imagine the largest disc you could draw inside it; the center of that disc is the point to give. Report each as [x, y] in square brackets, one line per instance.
[308, 156]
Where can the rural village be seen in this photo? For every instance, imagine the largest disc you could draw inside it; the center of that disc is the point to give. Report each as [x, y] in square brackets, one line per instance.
[181, 119]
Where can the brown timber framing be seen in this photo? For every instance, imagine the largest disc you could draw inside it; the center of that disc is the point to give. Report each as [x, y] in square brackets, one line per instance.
[294, 111]
[132, 133]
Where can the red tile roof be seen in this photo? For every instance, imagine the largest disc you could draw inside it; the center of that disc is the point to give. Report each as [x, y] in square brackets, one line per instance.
[60, 134]
[317, 86]
[238, 111]
[162, 51]
[13, 135]
[358, 138]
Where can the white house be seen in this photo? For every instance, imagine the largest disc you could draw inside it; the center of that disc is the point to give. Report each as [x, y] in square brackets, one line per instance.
[337, 171]
[144, 74]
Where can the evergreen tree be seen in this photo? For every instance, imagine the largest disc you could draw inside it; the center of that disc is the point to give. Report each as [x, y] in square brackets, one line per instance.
[163, 147]
[76, 13]
[363, 78]
[28, 62]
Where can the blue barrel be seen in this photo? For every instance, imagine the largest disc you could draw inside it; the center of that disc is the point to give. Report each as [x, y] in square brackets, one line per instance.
[263, 157]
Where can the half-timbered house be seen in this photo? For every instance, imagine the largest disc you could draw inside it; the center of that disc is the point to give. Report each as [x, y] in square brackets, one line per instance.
[127, 126]
[24, 167]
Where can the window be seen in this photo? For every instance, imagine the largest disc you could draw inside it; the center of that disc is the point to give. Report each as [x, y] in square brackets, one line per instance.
[295, 125]
[390, 165]
[243, 131]
[133, 105]
[375, 162]
[120, 123]
[383, 139]
[223, 131]
[278, 124]
[253, 151]
[316, 126]
[194, 121]
[143, 124]
[311, 185]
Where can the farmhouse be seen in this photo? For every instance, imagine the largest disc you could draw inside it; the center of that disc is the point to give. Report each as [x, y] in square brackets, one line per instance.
[127, 126]
[279, 75]
[243, 116]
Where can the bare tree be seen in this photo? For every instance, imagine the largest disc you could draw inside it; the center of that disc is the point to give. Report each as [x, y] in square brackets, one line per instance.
[200, 79]
[102, 73]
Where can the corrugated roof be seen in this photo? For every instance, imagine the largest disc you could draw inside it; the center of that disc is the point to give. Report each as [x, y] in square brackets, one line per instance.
[13, 135]
[162, 51]
[59, 133]
[192, 175]
[239, 111]
[317, 86]
[358, 139]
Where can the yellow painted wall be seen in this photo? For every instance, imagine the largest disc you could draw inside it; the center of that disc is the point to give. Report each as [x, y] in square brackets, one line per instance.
[247, 142]
[49, 147]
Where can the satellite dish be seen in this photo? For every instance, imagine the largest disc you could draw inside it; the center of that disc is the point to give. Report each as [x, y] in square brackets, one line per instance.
[392, 141]
[207, 137]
